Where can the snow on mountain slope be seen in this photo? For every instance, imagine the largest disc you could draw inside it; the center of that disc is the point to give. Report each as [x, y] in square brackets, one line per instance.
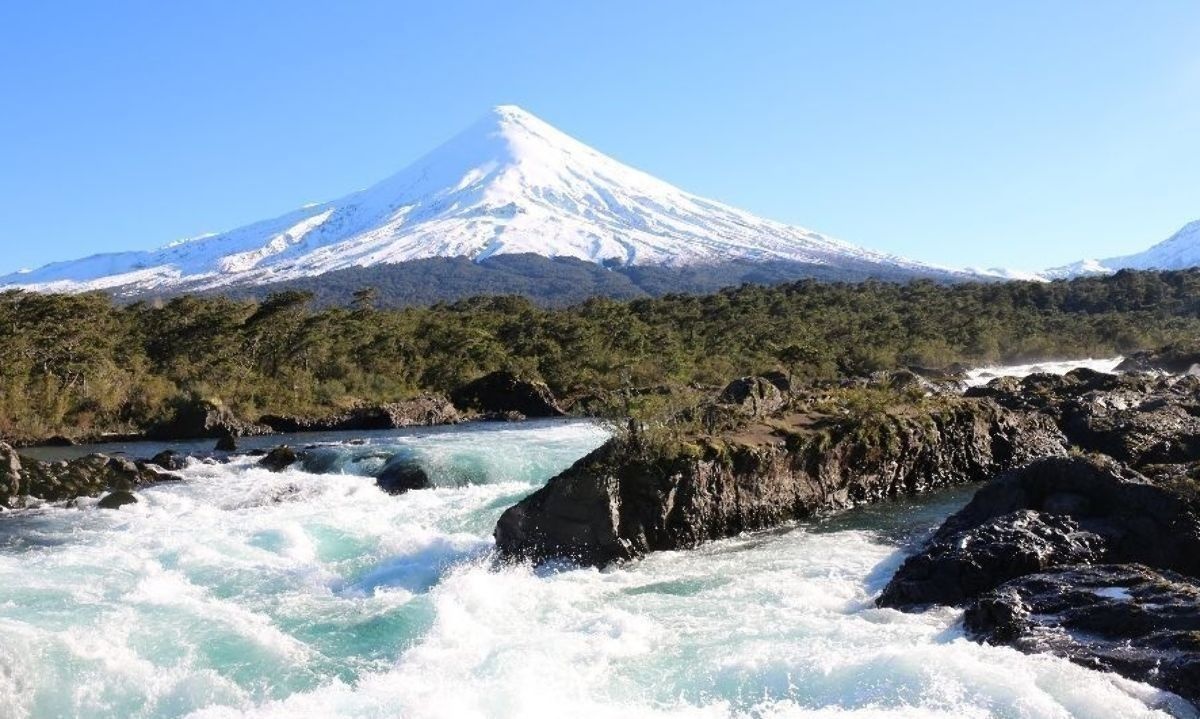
[508, 184]
[1178, 252]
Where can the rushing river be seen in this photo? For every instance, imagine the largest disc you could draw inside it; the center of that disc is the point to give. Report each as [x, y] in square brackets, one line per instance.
[239, 592]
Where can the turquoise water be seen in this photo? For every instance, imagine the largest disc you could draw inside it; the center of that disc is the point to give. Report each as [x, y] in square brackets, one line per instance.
[242, 593]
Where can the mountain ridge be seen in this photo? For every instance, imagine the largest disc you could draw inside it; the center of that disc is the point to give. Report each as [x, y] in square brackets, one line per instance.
[508, 184]
[1180, 251]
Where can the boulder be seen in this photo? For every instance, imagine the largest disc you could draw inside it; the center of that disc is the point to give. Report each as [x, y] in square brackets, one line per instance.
[1052, 512]
[781, 380]
[169, 460]
[1130, 619]
[116, 500]
[632, 496]
[754, 396]
[226, 443]
[279, 458]
[501, 392]
[948, 381]
[907, 381]
[955, 372]
[401, 475]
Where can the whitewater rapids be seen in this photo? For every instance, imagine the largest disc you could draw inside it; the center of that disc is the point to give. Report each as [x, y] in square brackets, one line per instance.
[243, 593]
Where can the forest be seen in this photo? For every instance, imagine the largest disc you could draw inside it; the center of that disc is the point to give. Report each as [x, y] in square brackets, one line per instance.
[78, 365]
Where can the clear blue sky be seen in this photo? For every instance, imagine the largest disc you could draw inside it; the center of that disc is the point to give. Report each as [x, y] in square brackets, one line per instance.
[1021, 134]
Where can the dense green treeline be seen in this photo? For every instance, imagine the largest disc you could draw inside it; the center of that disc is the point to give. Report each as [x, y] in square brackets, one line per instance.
[80, 364]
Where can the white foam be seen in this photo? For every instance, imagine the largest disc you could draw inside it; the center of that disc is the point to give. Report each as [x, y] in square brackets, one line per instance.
[244, 593]
[982, 375]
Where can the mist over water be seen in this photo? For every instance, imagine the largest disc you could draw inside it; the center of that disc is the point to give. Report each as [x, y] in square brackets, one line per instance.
[243, 593]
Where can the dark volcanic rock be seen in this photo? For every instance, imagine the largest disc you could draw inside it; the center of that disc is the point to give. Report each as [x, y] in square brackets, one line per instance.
[116, 500]
[401, 475]
[1138, 419]
[422, 411]
[169, 460]
[629, 497]
[1052, 512]
[202, 419]
[959, 565]
[1176, 359]
[1141, 431]
[60, 481]
[782, 382]
[279, 458]
[226, 443]
[501, 392]
[1141, 623]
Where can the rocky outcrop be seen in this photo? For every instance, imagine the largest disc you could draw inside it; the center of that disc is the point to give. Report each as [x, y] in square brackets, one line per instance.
[1137, 419]
[1051, 513]
[925, 381]
[632, 496]
[1130, 619]
[204, 419]
[421, 411]
[955, 372]
[279, 459]
[59, 481]
[956, 566]
[1173, 359]
[501, 392]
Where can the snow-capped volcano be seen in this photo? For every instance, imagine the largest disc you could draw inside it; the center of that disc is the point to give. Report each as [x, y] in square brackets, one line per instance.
[510, 183]
[1178, 252]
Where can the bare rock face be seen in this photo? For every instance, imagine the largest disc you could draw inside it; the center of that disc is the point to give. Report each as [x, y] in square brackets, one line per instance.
[630, 497]
[501, 392]
[1130, 619]
[1051, 513]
